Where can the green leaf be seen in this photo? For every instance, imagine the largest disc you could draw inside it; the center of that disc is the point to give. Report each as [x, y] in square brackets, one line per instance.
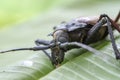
[79, 64]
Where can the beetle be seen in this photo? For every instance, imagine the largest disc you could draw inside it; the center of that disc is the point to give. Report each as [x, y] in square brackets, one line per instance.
[77, 33]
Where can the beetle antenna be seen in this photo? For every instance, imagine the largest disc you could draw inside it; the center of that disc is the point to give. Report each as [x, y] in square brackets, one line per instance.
[19, 49]
[32, 48]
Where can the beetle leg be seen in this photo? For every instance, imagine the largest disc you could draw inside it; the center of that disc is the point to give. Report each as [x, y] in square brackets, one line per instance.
[94, 30]
[79, 45]
[113, 23]
[117, 18]
[112, 38]
[43, 42]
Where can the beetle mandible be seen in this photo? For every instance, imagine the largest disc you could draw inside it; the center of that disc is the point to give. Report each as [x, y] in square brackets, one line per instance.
[78, 33]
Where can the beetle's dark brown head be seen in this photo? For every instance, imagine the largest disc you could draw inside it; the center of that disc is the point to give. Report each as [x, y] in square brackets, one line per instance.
[57, 56]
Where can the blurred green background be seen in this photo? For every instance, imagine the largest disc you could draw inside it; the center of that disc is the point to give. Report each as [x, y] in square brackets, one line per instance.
[23, 21]
[15, 11]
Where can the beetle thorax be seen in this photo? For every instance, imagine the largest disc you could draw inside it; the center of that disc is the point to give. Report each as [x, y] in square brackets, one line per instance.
[63, 36]
[77, 35]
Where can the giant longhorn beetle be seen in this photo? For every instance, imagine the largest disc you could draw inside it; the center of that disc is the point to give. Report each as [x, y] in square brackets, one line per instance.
[77, 33]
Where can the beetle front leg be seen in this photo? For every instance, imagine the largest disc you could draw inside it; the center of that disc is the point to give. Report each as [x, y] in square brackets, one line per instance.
[79, 45]
[38, 42]
[43, 42]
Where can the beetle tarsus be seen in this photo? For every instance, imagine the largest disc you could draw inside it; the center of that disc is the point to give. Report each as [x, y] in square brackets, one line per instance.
[39, 42]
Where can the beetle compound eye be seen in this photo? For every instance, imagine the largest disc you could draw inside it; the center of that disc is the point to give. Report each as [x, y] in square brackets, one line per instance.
[62, 39]
[61, 36]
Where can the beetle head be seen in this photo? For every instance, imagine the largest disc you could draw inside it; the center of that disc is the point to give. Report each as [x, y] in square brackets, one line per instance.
[57, 56]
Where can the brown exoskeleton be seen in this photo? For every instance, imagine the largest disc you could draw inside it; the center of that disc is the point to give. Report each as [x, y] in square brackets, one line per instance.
[77, 33]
